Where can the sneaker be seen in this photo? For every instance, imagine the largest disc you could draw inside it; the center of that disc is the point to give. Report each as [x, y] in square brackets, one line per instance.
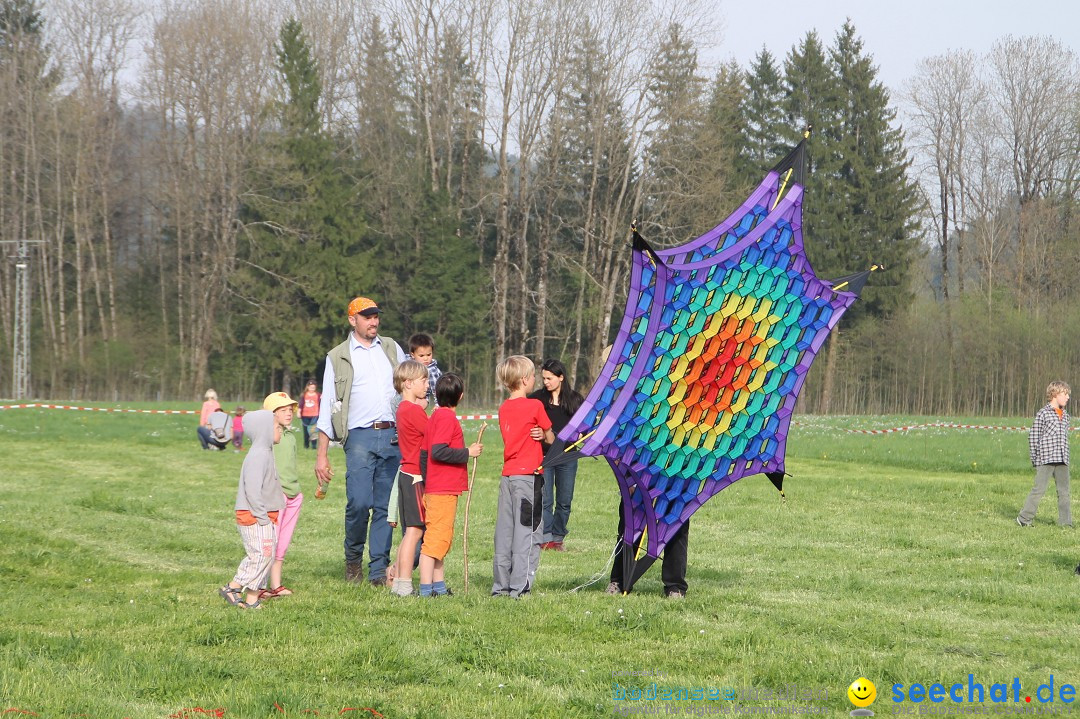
[1022, 523]
[676, 594]
[447, 593]
[613, 588]
[352, 572]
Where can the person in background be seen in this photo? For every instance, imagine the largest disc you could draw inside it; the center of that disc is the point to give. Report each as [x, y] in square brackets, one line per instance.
[422, 349]
[1048, 443]
[209, 406]
[560, 402]
[309, 413]
[238, 429]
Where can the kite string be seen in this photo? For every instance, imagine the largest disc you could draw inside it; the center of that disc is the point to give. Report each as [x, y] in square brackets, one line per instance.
[602, 573]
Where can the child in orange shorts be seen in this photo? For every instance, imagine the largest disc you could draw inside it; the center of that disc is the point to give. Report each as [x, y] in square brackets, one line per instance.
[444, 460]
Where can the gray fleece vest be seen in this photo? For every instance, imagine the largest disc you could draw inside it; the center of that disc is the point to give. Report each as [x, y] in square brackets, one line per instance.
[341, 360]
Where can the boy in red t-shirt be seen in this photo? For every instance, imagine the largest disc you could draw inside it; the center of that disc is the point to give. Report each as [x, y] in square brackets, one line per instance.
[444, 460]
[407, 494]
[524, 424]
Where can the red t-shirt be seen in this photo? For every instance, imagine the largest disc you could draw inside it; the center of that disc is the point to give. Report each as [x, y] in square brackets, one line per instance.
[411, 423]
[309, 404]
[443, 428]
[521, 453]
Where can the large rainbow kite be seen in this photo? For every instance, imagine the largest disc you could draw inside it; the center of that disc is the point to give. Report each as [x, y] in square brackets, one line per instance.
[700, 383]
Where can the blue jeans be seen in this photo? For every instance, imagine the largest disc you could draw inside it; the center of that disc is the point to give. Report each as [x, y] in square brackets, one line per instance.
[371, 465]
[208, 440]
[558, 494]
[311, 435]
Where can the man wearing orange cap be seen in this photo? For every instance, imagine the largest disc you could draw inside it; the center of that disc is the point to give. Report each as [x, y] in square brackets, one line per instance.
[356, 409]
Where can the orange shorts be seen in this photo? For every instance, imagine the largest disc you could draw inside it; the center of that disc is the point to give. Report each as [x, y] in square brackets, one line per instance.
[440, 510]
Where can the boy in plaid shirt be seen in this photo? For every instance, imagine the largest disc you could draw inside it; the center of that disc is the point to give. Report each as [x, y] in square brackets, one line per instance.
[1049, 445]
[422, 349]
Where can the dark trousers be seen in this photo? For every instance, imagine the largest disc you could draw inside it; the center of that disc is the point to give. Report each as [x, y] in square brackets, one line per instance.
[673, 567]
[311, 434]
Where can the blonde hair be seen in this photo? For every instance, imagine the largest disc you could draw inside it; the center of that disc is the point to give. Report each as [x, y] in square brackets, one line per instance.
[513, 370]
[1054, 387]
[407, 370]
[210, 394]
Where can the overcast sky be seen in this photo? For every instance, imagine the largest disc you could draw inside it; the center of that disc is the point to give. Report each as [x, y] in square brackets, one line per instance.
[897, 34]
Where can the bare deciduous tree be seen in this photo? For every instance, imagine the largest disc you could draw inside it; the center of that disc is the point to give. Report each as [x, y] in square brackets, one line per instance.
[208, 69]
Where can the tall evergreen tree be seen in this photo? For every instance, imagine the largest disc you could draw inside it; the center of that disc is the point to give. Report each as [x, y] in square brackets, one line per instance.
[305, 252]
[765, 133]
[810, 102]
[673, 157]
[427, 251]
[872, 202]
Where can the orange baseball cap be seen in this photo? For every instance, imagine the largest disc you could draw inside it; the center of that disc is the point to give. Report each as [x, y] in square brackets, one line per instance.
[363, 306]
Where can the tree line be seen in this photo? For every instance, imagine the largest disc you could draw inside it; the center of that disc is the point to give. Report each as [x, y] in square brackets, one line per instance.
[200, 212]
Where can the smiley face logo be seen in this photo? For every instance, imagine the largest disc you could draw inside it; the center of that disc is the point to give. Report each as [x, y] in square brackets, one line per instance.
[862, 692]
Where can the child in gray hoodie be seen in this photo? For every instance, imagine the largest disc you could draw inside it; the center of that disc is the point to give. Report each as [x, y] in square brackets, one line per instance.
[258, 500]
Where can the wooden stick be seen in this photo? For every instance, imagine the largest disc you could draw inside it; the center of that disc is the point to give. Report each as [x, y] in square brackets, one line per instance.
[468, 502]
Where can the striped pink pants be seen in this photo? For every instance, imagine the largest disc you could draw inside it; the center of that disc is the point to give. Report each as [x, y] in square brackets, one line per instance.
[259, 543]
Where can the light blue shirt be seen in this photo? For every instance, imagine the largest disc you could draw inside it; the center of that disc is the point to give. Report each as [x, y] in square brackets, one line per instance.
[372, 388]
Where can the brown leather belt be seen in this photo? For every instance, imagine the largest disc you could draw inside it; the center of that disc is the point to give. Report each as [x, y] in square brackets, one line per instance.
[381, 425]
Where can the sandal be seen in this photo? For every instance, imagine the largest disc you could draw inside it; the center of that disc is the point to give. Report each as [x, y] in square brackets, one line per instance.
[254, 605]
[230, 594]
[281, 591]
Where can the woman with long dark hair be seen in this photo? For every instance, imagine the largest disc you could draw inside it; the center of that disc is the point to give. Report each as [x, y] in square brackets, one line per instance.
[561, 402]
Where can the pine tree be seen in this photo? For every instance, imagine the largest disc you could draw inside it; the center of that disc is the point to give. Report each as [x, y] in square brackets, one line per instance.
[673, 157]
[872, 201]
[810, 102]
[765, 137]
[305, 253]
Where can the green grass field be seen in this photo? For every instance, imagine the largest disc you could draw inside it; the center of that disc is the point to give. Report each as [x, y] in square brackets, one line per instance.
[895, 557]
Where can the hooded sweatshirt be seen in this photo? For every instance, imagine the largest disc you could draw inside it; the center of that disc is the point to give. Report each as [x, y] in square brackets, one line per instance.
[260, 490]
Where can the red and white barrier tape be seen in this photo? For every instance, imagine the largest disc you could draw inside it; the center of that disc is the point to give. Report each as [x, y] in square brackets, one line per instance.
[890, 430]
[928, 425]
[98, 409]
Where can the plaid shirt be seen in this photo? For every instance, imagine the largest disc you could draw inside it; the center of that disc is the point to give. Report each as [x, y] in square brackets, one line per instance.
[433, 375]
[1049, 437]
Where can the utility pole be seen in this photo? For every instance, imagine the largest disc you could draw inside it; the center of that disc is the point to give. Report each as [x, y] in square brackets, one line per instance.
[20, 351]
[20, 381]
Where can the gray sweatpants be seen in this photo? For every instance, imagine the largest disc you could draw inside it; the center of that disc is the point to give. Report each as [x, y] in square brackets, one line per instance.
[518, 534]
[1043, 472]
